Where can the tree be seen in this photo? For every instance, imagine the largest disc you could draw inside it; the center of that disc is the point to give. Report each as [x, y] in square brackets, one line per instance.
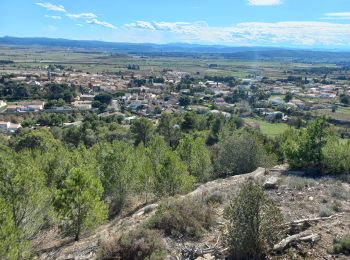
[184, 101]
[254, 223]
[42, 140]
[216, 126]
[240, 153]
[142, 130]
[142, 172]
[169, 128]
[288, 97]
[104, 98]
[170, 173]
[116, 163]
[11, 246]
[303, 148]
[72, 135]
[189, 122]
[78, 202]
[22, 186]
[336, 157]
[195, 154]
[345, 99]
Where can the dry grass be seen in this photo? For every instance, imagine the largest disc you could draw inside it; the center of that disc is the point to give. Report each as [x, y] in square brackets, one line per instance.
[181, 217]
[135, 245]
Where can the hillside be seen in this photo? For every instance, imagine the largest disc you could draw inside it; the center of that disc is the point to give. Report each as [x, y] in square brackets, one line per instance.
[317, 209]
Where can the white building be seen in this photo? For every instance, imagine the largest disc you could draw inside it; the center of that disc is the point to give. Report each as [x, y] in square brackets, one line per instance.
[8, 127]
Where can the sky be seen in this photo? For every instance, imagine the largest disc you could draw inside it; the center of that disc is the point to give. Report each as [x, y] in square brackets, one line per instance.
[278, 23]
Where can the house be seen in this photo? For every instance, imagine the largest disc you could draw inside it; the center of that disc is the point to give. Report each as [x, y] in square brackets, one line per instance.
[2, 103]
[8, 127]
[82, 105]
[32, 107]
[275, 115]
[86, 97]
[300, 104]
[277, 102]
[327, 95]
[4, 125]
[128, 120]
[13, 128]
[278, 91]
[12, 108]
[225, 114]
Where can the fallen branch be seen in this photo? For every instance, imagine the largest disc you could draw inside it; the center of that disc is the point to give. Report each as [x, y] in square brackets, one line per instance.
[190, 253]
[301, 221]
[306, 236]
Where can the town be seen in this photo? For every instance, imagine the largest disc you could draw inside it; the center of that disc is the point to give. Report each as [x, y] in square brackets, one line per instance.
[134, 93]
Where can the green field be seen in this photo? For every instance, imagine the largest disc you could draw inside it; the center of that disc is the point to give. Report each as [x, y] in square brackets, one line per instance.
[269, 129]
[342, 113]
[96, 61]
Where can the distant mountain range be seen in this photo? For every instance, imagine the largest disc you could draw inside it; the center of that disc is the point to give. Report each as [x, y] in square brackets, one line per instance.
[183, 49]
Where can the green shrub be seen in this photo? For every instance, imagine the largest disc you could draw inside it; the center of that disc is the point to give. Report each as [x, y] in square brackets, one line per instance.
[303, 148]
[342, 246]
[135, 245]
[241, 153]
[254, 223]
[177, 217]
[337, 157]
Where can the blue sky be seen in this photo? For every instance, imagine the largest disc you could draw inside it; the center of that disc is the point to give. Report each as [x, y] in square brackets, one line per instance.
[282, 23]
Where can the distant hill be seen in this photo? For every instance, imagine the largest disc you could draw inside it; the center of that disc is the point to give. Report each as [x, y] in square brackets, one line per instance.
[183, 49]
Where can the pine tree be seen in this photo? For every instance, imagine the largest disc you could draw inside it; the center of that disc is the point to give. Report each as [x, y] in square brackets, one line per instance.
[195, 154]
[78, 203]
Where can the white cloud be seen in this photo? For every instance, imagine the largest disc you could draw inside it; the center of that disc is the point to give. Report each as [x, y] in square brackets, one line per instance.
[253, 33]
[82, 16]
[90, 18]
[55, 17]
[340, 15]
[141, 25]
[52, 7]
[101, 23]
[264, 2]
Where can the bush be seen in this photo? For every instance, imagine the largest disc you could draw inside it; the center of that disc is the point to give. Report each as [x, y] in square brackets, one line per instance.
[304, 148]
[182, 217]
[135, 245]
[241, 153]
[342, 246]
[337, 157]
[339, 192]
[325, 212]
[337, 206]
[300, 183]
[215, 198]
[254, 223]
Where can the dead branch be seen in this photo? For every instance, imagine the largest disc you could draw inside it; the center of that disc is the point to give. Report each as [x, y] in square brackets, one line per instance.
[306, 236]
[307, 220]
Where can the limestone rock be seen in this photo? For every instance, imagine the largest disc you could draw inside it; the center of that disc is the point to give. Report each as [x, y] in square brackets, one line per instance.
[271, 183]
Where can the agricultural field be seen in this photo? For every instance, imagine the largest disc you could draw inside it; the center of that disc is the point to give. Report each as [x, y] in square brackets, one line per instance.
[341, 113]
[98, 61]
[269, 129]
